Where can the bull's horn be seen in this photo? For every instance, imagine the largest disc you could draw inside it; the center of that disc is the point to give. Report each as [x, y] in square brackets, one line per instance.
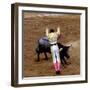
[60, 49]
[71, 45]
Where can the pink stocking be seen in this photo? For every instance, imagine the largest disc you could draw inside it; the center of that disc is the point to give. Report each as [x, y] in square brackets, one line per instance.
[59, 66]
[56, 66]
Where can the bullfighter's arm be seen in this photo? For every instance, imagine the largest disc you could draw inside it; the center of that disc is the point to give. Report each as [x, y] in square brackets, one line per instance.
[58, 30]
[47, 32]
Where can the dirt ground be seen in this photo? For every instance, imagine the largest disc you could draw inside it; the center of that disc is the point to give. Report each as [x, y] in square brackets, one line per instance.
[34, 28]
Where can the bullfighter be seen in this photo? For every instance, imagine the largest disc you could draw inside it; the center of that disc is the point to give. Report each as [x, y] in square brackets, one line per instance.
[52, 37]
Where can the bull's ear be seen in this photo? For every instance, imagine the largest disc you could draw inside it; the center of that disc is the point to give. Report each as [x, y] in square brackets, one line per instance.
[60, 49]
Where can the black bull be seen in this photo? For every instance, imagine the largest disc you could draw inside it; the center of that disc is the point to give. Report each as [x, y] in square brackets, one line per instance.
[44, 47]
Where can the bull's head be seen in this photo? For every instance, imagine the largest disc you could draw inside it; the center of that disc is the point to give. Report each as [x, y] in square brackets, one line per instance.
[65, 51]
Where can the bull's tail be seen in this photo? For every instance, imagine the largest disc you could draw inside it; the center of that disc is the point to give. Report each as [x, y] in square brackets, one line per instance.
[37, 49]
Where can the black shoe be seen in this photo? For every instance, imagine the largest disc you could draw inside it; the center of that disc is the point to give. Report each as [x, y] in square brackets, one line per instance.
[57, 72]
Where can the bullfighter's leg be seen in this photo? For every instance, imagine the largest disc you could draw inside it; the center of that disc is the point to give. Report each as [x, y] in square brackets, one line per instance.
[56, 59]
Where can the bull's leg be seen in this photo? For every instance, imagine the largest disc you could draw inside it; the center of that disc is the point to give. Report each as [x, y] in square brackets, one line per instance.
[46, 57]
[38, 59]
[67, 56]
[64, 60]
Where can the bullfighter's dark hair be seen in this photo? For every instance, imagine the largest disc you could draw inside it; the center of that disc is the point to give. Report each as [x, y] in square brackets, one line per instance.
[51, 30]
